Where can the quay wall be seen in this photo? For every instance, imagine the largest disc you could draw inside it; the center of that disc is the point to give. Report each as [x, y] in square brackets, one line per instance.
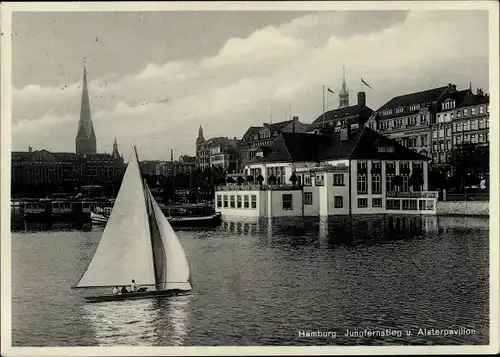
[463, 208]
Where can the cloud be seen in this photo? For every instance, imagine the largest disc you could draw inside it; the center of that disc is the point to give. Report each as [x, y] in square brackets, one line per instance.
[161, 106]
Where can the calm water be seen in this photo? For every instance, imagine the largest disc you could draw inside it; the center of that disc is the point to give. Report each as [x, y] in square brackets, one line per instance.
[266, 282]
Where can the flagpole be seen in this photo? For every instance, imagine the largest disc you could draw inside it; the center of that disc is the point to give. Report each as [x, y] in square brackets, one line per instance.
[290, 109]
[361, 84]
[323, 102]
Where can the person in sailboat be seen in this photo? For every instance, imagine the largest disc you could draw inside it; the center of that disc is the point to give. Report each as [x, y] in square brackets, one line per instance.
[133, 286]
[115, 290]
[124, 290]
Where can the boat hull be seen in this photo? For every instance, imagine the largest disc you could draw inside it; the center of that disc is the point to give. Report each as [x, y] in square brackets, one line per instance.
[138, 295]
[202, 221]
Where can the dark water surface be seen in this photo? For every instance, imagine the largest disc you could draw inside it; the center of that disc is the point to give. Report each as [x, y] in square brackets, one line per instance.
[269, 283]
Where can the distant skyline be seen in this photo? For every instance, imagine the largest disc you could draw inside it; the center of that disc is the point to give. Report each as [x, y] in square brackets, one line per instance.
[155, 77]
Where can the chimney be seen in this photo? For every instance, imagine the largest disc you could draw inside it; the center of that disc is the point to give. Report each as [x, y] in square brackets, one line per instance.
[294, 121]
[362, 99]
[30, 149]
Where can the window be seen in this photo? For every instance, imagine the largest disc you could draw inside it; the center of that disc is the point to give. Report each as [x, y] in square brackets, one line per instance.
[338, 202]
[393, 204]
[459, 114]
[405, 183]
[473, 111]
[287, 202]
[362, 202]
[466, 126]
[423, 139]
[254, 201]
[219, 201]
[458, 139]
[448, 145]
[458, 126]
[362, 166]
[320, 180]
[466, 138]
[238, 201]
[473, 138]
[434, 134]
[481, 138]
[246, 203]
[448, 132]
[338, 179]
[481, 124]
[225, 201]
[376, 202]
[361, 183]
[232, 201]
[441, 133]
[465, 112]
[307, 180]
[308, 198]
[376, 184]
[473, 125]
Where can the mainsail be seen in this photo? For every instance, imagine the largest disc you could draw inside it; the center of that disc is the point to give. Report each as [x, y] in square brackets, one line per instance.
[176, 273]
[124, 251]
[138, 242]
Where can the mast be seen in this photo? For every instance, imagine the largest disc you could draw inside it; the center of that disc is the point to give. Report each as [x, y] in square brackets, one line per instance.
[173, 180]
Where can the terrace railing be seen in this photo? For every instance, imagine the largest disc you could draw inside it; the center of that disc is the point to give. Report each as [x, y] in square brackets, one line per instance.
[257, 187]
[412, 194]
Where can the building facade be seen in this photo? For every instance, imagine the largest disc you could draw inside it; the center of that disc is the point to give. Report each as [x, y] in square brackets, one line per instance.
[462, 118]
[353, 116]
[221, 152]
[344, 173]
[408, 118]
[258, 137]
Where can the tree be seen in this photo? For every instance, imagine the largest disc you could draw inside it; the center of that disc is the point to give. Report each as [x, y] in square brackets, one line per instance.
[271, 180]
[294, 179]
[250, 179]
[397, 181]
[260, 179]
[437, 180]
[240, 180]
[469, 163]
[416, 179]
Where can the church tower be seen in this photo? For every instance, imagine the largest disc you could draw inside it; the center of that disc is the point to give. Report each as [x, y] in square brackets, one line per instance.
[199, 142]
[115, 154]
[85, 137]
[344, 93]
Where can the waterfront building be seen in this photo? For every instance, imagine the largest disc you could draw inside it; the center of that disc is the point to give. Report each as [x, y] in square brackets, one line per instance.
[258, 137]
[462, 118]
[341, 173]
[221, 152]
[353, 116]
[408, 118]
[184, 165]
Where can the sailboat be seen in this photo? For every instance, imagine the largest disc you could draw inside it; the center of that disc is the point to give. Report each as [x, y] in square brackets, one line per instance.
[138, 243]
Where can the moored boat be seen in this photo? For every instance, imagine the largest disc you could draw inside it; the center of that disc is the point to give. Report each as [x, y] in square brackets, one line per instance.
[138, 243]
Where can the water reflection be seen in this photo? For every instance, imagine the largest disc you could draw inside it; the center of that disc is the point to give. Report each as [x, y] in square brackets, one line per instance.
[341, 230]
[24, 226]
[146, 322]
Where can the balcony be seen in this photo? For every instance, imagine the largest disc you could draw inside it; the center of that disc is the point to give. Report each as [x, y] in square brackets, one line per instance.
[412, 194]
[324, 168]
[257, 187]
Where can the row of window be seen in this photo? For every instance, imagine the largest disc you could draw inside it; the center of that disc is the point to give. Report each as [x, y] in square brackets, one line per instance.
[409, 205]
[463, 112]
[399, 110]
[413, 141]
[473, 138]
[237, 201]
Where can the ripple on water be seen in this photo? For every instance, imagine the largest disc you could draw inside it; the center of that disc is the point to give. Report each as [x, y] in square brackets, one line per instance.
[259, 283]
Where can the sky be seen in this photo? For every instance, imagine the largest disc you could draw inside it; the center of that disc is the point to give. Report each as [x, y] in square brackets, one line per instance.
[155, 77]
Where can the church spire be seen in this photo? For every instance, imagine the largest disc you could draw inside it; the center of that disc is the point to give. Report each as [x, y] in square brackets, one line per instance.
[85, 137]
[115, 154]
[344, 92]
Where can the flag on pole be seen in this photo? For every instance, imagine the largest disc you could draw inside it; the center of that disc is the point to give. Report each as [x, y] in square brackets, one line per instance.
[366, 84]
[330, 90]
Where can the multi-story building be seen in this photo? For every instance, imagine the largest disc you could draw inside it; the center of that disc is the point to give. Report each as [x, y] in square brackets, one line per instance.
[352, 116]
[258, 137]
[462, 118]
[343, 173]
[408, 118]
[221, 152]
[185, 165]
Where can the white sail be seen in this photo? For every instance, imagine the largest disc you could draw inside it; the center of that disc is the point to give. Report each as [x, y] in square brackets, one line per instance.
[124, 251]
[177, 268]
